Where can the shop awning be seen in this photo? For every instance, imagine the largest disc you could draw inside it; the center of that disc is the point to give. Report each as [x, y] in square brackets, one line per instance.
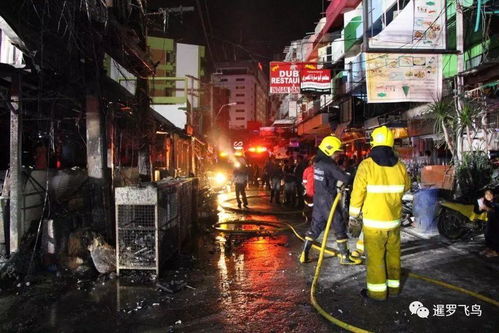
[283, 123]
[317, 125]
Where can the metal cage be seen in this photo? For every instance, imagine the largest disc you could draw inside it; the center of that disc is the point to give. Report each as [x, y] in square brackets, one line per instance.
[152, 222]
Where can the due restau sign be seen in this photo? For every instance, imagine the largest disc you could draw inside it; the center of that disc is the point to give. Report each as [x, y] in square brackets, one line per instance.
[295, 78]
[284, 78]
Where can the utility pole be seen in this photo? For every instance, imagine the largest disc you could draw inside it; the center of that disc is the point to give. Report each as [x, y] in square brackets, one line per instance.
[165, 12]
[459, 80]
[365, 25]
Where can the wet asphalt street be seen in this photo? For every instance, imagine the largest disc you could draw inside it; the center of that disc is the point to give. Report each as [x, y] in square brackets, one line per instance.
[234, 282]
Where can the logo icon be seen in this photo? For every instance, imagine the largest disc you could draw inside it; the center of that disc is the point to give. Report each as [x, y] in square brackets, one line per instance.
[417, 308]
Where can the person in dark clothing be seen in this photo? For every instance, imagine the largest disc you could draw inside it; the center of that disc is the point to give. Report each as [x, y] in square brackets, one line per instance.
[289, 183]
[266, 171]
[486, 203]
[275, 175]
[301, 165]
[241, 181]
[349, 168]
[327, 174]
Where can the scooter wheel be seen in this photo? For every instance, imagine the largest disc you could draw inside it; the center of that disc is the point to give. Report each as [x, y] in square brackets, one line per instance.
[451, 224]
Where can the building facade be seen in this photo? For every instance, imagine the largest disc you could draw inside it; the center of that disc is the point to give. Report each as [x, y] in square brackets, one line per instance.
[462, 42]
[248, 90]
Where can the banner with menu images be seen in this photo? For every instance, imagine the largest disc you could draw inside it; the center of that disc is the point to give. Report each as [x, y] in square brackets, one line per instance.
[420, 25]
[394, 77]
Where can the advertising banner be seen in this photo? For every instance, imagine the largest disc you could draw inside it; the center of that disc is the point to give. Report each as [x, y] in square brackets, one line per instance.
[395, 77]
[285, 77]
[292, 109]
[420, 25]
[316, 81]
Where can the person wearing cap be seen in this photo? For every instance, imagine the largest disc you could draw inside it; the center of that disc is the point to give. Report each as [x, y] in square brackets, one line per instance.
[379, 184]
[326, 177]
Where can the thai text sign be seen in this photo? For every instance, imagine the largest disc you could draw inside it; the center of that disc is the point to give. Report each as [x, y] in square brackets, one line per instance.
[395, 77]
[316, 81]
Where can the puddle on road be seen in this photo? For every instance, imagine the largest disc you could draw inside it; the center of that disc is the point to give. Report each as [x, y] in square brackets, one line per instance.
[238, 282]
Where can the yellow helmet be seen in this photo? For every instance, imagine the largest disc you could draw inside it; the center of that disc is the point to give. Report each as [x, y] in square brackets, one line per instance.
[330, 144]
[382, 136]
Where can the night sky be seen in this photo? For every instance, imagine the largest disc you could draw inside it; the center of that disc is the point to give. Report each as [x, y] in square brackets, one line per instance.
[243, 29]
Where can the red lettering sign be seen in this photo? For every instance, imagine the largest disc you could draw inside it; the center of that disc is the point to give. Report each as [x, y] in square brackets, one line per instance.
[316, 81]
[285, 78]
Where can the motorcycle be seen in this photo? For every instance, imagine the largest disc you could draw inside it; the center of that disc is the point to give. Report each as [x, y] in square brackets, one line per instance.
[456, 220]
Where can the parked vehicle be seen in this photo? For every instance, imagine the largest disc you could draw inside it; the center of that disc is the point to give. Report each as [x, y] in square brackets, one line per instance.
[457, 220]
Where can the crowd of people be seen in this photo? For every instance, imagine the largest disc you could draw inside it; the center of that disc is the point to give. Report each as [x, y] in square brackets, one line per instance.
[286, 179]
[377, 185]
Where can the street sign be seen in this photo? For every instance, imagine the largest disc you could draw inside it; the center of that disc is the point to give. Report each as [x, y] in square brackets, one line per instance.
[238, 145]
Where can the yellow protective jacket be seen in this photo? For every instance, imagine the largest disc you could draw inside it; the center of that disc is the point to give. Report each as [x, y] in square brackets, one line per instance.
[378, 189]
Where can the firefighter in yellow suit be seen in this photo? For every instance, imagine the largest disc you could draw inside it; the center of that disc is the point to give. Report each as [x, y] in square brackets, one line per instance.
[379, 184]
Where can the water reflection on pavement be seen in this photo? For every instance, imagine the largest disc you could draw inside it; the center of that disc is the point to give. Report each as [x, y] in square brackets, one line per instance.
[229, 282]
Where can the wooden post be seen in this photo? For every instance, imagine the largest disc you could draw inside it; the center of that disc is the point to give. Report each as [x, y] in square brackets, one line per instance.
[15, 230]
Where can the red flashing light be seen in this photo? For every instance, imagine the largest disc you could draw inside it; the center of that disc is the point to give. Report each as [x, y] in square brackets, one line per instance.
[258, 149]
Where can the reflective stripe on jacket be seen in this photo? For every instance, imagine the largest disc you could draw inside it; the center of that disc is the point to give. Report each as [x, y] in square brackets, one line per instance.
[377, 191]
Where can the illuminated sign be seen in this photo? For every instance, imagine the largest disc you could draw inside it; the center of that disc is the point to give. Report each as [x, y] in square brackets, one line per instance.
[316, 81]
[238, 145]
[285, 77]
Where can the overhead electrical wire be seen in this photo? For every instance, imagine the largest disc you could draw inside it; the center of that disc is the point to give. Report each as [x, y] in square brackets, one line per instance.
[203, 24]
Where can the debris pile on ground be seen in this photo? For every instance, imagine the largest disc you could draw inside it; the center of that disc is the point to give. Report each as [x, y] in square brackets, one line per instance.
[207, 207]
[137, 248]
[174, 286]
[103, 256]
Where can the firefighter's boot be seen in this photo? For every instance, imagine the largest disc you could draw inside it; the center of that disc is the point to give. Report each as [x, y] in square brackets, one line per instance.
[304, 254]
[359, 251]
[345, 257]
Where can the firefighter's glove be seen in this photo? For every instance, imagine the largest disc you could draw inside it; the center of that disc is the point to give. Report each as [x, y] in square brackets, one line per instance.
[354, 226]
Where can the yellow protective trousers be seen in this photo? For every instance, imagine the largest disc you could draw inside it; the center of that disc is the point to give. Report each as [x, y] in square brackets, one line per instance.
[382, 248]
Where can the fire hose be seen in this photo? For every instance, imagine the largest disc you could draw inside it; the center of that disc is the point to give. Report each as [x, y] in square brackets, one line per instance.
[281, 226]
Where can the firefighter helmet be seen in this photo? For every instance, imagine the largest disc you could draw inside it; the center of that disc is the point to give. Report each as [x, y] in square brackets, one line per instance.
[382, 136]
[330, 144]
